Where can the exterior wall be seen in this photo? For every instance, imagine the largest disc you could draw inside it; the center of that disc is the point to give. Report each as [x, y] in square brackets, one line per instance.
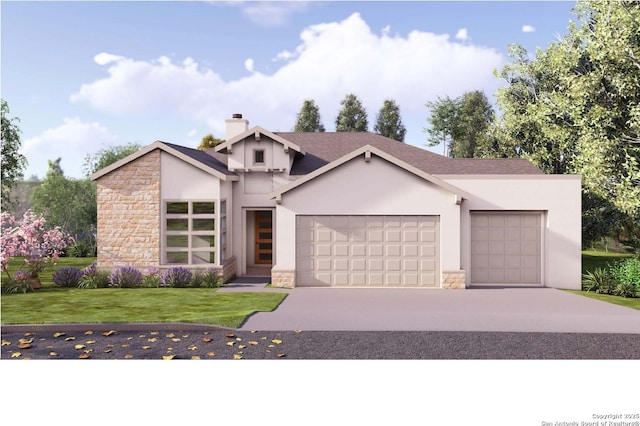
[129, 214]
[182, 181]
[558, 196]
[376, 187]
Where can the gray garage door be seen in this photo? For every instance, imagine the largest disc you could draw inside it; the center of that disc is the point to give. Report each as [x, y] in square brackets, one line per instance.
[374, 251]
[506, 248]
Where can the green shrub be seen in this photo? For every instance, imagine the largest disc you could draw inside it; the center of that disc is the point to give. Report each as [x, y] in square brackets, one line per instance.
[211, 279]
[20, 282]
[94, 277]
[197, 279]
[626, 290]
[151, 278]
[627, 271]
[79, 249]
[598, 281]
[68, 276]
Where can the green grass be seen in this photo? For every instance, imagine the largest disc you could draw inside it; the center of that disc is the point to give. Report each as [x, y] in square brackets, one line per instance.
[628, 302]
[53, 305]
[600, 259]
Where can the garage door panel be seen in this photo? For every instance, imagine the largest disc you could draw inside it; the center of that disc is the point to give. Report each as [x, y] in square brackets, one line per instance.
[506, 248]
[368, 251]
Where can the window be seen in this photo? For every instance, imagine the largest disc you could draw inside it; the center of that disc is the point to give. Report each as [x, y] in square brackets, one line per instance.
[189, 232]
[258, 157]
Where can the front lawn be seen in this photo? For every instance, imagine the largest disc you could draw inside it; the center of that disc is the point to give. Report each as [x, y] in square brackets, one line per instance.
[53, 305]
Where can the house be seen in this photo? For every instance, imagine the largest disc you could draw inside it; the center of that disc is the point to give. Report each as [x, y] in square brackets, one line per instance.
[339, 209]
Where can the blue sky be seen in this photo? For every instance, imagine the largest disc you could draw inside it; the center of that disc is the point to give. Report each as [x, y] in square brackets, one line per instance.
[83, 76]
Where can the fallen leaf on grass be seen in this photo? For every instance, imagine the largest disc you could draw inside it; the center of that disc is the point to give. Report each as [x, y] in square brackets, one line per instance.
[230, 335]
[192, 347]
[231, 343]
[168, 357]
[106, 351]
[88, 332]
[175, 339]
[5, 342]
[126, 345]
[272, 346]
[146, 347]
[153, 339]
[53, 353]
[78, 347]
[24, 345]
[154, 333]
[28, 334]
[280, 355]
[185, 336]
[276, 341]
[129, 338]
[253, 342]
[69, 339]
[239, 339]
[211, 354]
[242, 346]
[84, 355]
[16, 355]
[109, 333]
[90, 342]
[128, 356]
[195, 357]
[237, 356]
[170, 335]
[207, 339]
[298, 331]
[59, 334]
[25, 341]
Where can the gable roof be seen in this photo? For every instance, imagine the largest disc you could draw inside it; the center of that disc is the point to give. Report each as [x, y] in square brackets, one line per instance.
[367, 151]
[324, 147]
[257, 131]
[195, 157]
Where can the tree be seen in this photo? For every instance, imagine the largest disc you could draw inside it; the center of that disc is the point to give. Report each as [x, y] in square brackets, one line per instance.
[474, 116]
[13, 163]
[389, 123]
[575, 108]
[309, 118]
[107, 156]
[68, 203]
[32, 239]
[209, 141]
[352, 117]
[460, 124]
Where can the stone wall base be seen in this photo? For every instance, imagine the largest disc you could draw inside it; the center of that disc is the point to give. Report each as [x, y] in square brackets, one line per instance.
[454, 279]
[283, 279]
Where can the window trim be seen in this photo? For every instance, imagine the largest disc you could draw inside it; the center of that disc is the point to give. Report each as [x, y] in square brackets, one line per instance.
[262, 152]
[190, 233]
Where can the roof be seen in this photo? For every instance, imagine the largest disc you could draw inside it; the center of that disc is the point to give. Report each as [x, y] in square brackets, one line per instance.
[197, 158]
[367, 151]
[324, 147]
[257, 132]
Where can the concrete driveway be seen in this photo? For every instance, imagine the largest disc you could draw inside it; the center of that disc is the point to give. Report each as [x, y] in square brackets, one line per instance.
[479, 309]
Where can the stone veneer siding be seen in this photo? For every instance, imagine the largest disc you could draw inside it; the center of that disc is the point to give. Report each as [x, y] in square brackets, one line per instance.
[454, 279]
[129, 214]
[283, 279]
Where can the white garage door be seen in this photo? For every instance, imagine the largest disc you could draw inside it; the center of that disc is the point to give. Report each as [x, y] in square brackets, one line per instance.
[506, 248]
[374, 251]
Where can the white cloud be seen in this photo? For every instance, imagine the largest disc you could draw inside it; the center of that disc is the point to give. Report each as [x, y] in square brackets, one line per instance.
[270, 13]
[248, 64]
[528, 29]
[462, 34]
[331, 60]
[71, 141]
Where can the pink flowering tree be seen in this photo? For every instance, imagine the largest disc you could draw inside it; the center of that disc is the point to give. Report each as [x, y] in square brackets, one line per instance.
[31, 239]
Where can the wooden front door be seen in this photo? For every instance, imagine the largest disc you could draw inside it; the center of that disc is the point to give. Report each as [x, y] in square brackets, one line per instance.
[264, 237]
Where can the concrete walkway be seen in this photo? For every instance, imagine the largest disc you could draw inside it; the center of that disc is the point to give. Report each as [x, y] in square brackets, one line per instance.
[480, 309]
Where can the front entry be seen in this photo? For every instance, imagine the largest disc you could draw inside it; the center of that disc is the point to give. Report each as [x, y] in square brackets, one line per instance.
[263, 237]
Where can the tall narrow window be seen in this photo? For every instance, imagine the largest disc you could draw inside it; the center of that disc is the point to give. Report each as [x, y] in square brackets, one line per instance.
[258, 157]
[190, 232]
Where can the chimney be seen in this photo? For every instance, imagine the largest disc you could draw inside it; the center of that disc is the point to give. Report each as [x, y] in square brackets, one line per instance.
[235, 126]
